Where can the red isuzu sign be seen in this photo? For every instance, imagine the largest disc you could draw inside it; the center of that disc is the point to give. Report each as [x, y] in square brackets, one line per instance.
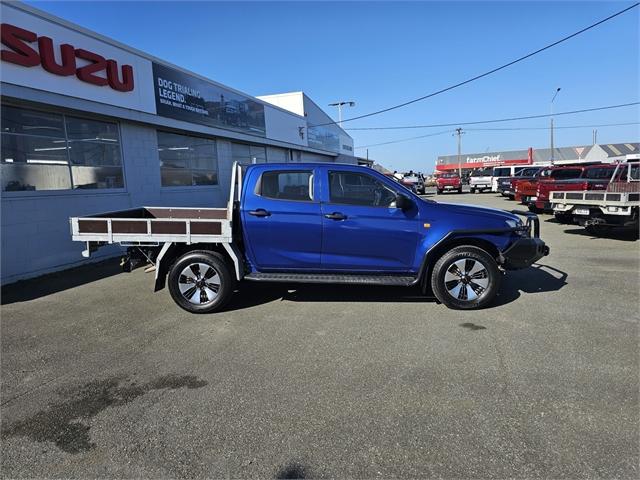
[22, 53]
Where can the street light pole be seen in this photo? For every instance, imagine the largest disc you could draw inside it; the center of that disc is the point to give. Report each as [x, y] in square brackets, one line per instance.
[339, 105]
[459, 133]
[552, 149]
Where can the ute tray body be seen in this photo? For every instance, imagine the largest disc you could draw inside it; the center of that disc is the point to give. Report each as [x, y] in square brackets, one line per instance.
[155, 225]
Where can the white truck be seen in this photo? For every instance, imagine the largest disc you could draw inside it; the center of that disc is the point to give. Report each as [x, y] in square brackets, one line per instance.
[481, 180]
[601, 210]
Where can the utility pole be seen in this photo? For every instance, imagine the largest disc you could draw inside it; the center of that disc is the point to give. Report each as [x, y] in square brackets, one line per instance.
[339, 105]
[459, 133]
[552, 150]
[595, 136]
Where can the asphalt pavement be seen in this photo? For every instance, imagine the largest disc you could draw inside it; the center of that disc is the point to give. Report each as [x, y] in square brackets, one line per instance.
[103, 378]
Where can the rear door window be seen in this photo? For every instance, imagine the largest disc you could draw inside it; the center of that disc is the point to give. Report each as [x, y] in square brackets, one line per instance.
[287, 185]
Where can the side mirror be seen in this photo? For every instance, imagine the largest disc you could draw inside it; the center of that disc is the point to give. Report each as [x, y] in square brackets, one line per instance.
[403, 202]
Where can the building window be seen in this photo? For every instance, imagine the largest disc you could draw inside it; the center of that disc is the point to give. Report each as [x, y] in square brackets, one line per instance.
[248, 154]
[51, 151]
[186, 160]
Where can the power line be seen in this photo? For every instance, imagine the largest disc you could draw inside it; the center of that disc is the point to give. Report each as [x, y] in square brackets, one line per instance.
[555, 127]
[510, 119]
[406, 139]
[497, 129]
[482, 75]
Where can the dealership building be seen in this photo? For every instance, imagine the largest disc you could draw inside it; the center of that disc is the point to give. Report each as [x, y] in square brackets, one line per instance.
[90, 125]
[539, 156]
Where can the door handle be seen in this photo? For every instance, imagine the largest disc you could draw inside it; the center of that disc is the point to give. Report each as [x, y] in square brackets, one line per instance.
[261, 212]
[335, 216]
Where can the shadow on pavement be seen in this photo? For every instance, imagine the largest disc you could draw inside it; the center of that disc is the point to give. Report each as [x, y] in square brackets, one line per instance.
[536, 279]
[25, 290]
[251, 294]
[626, 235]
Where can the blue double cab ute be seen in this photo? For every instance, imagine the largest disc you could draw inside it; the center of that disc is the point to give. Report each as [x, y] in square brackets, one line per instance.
[324, 223]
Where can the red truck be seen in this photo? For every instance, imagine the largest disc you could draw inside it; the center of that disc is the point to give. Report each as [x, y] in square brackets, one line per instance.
[448, 182]
[526, 190]
[593, 177]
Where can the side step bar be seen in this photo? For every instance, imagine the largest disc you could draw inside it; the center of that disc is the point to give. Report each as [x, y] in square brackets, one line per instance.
[400, 281]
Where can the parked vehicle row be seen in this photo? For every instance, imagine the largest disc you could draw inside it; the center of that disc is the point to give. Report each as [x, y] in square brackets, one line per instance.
[569, 192]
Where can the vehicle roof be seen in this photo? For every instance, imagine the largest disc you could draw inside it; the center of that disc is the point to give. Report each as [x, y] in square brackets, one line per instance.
[290, 165]
[602, 165]
[571, 167]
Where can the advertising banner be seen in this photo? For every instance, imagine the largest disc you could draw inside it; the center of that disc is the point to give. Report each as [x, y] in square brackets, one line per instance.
[188, 98]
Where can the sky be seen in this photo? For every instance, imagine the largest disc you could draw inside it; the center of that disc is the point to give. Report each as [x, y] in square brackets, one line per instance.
[380, 54]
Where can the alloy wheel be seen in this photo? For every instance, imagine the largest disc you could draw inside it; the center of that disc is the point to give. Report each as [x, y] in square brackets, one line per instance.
[199, 283]
[466, 279]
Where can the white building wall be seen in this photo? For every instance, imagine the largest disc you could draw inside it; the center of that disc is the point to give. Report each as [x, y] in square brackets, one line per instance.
[291, 101]
[141, 99]
[284, 127]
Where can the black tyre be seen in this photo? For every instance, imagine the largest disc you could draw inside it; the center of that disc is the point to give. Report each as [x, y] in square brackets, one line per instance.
[473, 190]
[533, 209]
[201, 282]
[438, 192]
[465, 278]
[460, 190]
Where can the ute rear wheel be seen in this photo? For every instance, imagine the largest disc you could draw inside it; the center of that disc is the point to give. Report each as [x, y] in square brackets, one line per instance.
[201, 282]
[465, 278]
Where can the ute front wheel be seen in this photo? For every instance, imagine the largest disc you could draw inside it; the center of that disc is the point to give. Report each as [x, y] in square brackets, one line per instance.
[465, 278]
[200, 282]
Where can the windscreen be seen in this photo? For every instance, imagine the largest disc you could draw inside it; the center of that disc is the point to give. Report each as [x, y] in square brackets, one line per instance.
[501, 172]
[449, 175]
[482, 173]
